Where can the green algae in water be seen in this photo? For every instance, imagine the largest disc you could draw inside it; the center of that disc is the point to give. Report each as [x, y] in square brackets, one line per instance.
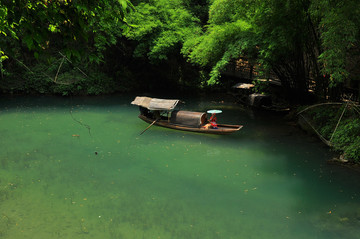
[61, 179]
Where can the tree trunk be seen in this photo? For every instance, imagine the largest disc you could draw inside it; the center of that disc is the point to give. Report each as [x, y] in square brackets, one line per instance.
[251, 71]
[359, 92]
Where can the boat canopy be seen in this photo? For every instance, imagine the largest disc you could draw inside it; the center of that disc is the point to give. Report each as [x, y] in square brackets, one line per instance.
[188, 118]
[154, 103]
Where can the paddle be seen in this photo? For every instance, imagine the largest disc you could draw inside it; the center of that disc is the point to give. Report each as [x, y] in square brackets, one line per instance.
[149, 126]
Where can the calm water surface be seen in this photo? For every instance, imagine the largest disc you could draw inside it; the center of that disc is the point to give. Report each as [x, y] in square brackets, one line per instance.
[77, 168]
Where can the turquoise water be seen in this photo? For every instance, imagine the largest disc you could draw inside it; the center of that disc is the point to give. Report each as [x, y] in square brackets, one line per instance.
[78, 168]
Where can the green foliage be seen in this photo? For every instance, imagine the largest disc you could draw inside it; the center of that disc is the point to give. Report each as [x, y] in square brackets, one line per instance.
[324, 118]
[340, 32]
[346, 138]
[291, 38]
[228, 36]
[66, 80]
[82, 30]
[298, 40]
[198, 8]
[353, 150]
[160, 29]
[78, 28]
[261, 86]
[78, 84]
[273, 33]
[282, 27]
[3, 57]
[220, 43]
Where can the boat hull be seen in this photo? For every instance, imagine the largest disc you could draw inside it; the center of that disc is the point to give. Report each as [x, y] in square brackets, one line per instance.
[222, 128]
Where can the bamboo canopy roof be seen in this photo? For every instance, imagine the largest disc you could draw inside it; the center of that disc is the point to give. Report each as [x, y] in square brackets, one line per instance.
[154, 103]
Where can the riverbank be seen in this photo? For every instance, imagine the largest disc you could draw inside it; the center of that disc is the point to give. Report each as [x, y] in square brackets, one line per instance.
[338, 126]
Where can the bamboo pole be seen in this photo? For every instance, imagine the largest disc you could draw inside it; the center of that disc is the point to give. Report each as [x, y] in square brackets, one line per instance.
[57, 73]
[149, 126]
[312, 106]
[327, 142]
[339, 120]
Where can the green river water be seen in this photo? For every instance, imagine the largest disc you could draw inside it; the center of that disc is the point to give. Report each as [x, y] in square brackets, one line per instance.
[78, 168]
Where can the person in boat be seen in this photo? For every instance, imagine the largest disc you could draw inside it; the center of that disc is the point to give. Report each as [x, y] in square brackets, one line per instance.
[213, 121]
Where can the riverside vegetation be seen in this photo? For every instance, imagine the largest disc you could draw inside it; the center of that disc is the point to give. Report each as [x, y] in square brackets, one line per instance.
[122, 45]
[339, 127]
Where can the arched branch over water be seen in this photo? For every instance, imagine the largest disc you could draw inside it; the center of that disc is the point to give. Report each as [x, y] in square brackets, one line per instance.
[347, 105]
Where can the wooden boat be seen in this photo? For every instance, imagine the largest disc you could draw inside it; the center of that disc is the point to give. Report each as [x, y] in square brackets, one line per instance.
[152, 111]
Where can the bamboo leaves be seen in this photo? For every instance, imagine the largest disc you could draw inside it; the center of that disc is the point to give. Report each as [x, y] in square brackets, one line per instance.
[71, 26]
[161, 27]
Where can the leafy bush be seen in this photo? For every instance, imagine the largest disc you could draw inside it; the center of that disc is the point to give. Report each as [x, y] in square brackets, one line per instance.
[75, 83]
[353, 151]
[324, 118]
[65, 80]
[346, 138]
[261, 86]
